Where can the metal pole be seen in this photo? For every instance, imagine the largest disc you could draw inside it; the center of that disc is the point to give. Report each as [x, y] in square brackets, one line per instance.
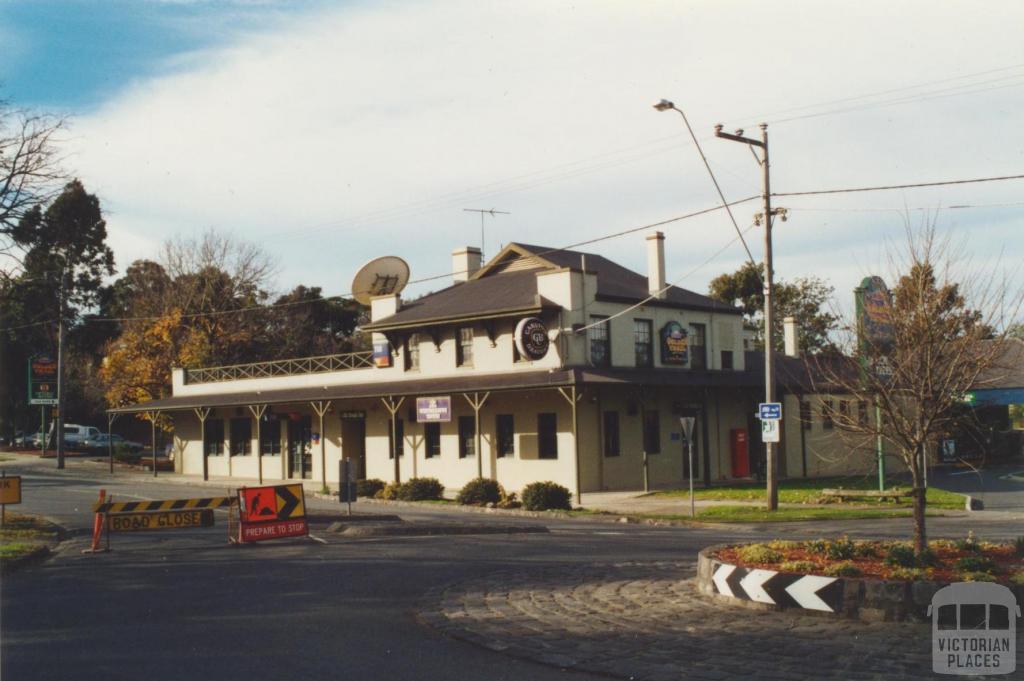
[152, 430]
[693, 507]
[476, 436]
[769, 363]
[110, 443]
[60, 369]
[878, 445]
[42, 432]
[394, 445]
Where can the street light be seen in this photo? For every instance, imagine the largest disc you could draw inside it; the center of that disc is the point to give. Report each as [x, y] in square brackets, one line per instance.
[769, 374]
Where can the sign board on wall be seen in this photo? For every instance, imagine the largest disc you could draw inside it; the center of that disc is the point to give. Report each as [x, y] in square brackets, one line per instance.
[433, 409]
[532, 338]
[675, 345]
[42, 380]
[381, 353]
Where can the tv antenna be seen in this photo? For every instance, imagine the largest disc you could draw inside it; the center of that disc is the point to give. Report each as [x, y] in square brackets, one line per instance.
[483, 212]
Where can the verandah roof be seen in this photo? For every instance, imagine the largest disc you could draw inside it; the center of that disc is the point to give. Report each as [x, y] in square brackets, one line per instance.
[508, 381]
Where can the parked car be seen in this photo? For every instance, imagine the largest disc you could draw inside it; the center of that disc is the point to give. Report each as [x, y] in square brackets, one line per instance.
[100, 443]
[76, 435]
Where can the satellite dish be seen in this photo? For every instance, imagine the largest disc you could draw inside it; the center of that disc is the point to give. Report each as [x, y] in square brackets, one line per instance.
[380, 277]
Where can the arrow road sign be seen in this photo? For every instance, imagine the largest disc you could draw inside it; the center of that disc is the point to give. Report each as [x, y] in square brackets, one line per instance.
[753, 583]
[721, 578]
[288, 501]
[810, 592]
[769, 411]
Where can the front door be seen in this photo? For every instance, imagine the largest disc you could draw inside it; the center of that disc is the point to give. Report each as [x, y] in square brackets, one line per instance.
[353, 444]
[300, 447]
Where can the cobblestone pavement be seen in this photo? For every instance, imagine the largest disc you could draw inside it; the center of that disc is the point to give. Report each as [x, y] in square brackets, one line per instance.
[648, 621]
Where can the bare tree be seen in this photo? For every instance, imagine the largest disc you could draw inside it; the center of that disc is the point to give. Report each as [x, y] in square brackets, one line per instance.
[30, 171]
[943, 335]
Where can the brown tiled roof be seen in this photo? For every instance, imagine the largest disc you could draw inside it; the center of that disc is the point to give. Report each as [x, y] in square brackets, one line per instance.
[510, 292]
[506, 292]
[617, 283]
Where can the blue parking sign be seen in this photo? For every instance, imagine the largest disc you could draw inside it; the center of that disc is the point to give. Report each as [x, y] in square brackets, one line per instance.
[769, 411]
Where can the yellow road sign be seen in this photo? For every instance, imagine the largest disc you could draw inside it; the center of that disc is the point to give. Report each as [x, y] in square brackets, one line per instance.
[10, 490]
[160, 520]
[163, 505]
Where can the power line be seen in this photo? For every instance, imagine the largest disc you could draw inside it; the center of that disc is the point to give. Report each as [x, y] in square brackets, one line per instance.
[349, 296]
[916, 185]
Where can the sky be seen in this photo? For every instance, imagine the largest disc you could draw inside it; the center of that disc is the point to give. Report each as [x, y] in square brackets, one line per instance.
[330, 133]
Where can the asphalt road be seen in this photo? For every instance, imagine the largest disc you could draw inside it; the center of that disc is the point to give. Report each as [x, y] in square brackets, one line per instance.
[185, 604]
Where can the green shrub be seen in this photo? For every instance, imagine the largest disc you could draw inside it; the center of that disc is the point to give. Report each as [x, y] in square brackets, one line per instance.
[759, 553]
[976, 564]
[976, 577]
[902, 555]
[969, 545]
[1018, 547]
[389, 491]
[840, 549]
[368, 489]
[783, 545]
[544, 496]
[863, 549]
[421, 489]
[799, 566]
[1018, 578]
[942, 545]
[479, 492]
[909, 574]
[844, 569]
[833, 549]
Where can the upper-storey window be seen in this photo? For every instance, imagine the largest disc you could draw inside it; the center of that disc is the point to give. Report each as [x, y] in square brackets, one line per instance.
[698, 350]
[600, 342]
[464, 347]
[412, 353]
[643, 333]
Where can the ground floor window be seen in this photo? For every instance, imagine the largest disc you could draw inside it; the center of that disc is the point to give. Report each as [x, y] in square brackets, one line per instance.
[241, 437]
[213, 443]
[806, 417]
[547, 436]
[611, 433]
[270, 437]
[432, 439]
[652, 432]
[506, 435]
[467, 437]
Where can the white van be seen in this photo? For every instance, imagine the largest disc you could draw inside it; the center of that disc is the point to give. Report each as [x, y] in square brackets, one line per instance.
[76, 435]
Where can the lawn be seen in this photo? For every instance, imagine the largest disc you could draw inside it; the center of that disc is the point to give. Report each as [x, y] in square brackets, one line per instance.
[808, 491]
[25, 535]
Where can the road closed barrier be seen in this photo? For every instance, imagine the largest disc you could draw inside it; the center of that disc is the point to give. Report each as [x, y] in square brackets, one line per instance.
[160, 514]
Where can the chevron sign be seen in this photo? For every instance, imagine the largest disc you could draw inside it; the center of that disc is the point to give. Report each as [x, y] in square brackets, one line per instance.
[779, 588]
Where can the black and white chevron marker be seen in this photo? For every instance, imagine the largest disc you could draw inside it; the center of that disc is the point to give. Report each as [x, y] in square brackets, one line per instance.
[810, 592]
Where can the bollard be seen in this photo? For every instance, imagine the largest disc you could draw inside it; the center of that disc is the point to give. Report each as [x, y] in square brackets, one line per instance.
[97, 526]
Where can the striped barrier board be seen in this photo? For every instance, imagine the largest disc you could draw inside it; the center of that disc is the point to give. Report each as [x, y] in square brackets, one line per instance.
[810, 592]
[163, 505]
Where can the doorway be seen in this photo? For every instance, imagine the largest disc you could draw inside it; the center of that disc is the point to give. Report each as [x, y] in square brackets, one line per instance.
[353, 444]
[300, 447]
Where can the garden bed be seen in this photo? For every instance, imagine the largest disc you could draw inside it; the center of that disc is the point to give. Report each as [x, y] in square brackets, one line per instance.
[867, 580]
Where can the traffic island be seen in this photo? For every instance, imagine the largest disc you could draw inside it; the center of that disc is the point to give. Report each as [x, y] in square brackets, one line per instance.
[869, 581]
[422, 529]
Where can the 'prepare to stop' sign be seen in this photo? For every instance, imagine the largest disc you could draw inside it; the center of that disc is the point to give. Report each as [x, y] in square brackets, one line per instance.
[280, 502]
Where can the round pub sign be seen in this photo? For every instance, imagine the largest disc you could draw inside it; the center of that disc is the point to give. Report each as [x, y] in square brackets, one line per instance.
[532, 338]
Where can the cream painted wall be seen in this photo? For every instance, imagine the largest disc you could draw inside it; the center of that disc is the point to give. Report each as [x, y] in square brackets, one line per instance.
[828, 451]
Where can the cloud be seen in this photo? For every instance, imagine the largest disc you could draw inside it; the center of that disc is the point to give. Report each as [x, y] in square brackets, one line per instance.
[340, 134]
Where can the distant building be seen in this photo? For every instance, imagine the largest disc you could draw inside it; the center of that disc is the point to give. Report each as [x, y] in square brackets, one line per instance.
[606, 362]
